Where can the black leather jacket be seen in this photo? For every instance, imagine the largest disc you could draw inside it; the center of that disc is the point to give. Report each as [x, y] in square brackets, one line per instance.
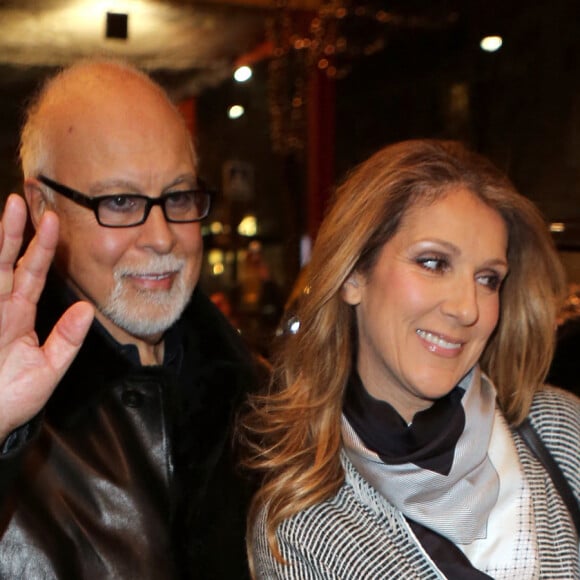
[128, 473]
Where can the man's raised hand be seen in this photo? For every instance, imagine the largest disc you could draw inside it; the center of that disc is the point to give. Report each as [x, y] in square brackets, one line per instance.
[29, 372]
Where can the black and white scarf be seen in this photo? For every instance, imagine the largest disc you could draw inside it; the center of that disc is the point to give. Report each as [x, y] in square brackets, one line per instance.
[454, 470]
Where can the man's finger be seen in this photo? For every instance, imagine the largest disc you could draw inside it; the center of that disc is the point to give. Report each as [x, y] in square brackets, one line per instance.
[67, 336]
[13, 223]
[30, 275]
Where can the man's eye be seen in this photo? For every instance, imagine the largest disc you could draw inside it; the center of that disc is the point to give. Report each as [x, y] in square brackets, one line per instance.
[119, 203]
[180, 199]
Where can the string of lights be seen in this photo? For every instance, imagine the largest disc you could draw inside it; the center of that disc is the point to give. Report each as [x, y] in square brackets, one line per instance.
[329, 39]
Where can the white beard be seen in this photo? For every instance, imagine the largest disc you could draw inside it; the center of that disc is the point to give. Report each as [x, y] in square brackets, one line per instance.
[144, 313]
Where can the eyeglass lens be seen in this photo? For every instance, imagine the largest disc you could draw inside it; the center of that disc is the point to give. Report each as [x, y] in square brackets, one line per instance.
[125, 210]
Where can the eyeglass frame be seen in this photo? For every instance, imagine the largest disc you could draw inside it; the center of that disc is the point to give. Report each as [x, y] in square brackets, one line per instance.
[93, 202]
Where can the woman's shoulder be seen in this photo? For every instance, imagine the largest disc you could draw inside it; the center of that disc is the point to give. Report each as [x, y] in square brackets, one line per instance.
[355, 511]
[307, 539]
[554, 410]
[379, 542]
[355, 495]
[354, 499]
[555, 415]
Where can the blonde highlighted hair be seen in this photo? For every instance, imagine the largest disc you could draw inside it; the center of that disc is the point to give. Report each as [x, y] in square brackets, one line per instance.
[293, 433]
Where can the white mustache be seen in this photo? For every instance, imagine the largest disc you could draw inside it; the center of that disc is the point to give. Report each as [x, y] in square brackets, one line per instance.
[154, 266]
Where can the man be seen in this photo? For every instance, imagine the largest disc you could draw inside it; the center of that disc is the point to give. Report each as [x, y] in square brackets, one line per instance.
[125, 470]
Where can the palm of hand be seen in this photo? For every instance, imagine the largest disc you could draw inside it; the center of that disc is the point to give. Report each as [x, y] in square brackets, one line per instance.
[29, 372]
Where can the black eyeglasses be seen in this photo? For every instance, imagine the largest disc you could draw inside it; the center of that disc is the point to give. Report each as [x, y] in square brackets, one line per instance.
[125, 210]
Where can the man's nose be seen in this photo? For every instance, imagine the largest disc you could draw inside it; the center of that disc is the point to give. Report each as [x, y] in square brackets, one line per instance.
[156, 232]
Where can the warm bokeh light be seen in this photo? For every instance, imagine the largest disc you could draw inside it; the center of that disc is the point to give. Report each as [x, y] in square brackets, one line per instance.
[491, 43]
[216, 228]
[557, 227]
[242, 74]
[248, 226]
[235, 111]
[215, 256]
[217, 269]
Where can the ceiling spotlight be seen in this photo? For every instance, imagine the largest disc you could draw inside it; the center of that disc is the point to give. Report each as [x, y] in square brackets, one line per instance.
[235, 111]
[242, 74]
[117, 25]
[491, 43]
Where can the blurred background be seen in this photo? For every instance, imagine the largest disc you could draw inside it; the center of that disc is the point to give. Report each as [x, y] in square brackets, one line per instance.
[325, 84]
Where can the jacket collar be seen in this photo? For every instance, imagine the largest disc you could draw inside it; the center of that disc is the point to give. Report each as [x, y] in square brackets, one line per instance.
[211, 347]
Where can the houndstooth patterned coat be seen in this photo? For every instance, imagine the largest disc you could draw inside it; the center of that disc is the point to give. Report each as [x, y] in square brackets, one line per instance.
[359, 535]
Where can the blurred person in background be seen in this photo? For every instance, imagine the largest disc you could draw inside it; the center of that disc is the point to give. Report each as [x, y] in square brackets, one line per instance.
[257, 301]
[565, 370]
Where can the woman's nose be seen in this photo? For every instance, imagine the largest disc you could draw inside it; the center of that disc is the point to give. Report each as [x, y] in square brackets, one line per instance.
[461, 302]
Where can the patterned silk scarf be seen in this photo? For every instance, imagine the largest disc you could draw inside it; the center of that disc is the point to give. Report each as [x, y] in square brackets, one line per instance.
[461, 477]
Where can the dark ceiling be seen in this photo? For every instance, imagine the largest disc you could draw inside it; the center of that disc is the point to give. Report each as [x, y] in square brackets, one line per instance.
[411, 68]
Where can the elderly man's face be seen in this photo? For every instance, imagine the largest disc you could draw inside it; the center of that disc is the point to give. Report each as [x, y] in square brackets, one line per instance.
[140, 278]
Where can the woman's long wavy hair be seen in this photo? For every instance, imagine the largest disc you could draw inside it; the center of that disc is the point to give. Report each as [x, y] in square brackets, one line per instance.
[292, 432]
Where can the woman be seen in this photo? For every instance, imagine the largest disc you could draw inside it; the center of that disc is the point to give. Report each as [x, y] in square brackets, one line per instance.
[387, 443]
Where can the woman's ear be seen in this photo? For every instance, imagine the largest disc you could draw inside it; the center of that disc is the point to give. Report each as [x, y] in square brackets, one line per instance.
[351, 289]
[36, 201]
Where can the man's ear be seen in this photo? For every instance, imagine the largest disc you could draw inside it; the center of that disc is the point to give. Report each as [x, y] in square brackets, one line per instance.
[351, 289]
[35, 199]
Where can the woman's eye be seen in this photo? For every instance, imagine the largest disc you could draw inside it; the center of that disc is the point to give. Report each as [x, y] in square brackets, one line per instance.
[433, 263]
[491, 281]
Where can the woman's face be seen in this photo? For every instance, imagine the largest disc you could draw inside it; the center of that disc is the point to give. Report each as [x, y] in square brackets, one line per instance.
[428, 307]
